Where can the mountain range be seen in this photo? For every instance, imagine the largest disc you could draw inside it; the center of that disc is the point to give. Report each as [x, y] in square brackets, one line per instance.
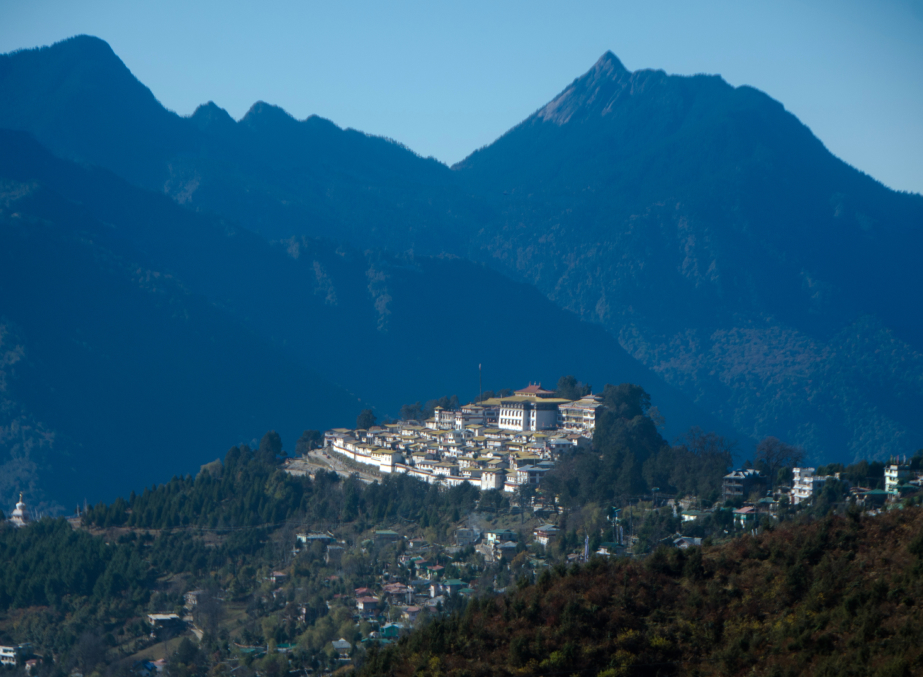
[684, 233]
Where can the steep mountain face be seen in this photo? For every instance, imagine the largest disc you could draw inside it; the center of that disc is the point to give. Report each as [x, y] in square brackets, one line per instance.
[138, 334]
[700, 224]
[698, 180]
[80, 100]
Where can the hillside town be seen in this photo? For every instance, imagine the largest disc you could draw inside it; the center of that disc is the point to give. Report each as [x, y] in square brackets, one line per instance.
[345, 586]
[499, 443]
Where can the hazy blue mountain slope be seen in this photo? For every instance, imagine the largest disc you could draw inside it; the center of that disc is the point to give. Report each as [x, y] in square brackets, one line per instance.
[391, 329]
[25, 442]
[699, 181]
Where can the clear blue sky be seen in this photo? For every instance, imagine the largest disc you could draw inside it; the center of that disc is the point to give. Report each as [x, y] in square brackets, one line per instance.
[446, 78]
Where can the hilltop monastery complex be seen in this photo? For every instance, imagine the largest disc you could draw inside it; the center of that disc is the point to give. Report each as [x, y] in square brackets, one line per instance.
[499, 443]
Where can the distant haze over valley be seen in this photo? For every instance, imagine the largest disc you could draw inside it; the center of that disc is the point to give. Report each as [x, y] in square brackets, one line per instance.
[676, 232]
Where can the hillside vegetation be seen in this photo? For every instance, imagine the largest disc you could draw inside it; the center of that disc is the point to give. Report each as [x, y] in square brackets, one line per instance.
[80, 595]
[250, 489]
[838, 596]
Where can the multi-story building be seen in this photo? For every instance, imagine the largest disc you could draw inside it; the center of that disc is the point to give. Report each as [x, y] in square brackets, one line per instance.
[545, 534]
[805, 484]
[896, 474]
[580, 416]
[742, 483]
[10, 656]
[529, 475]
[492, 479]
[470, 414]
[531, 408]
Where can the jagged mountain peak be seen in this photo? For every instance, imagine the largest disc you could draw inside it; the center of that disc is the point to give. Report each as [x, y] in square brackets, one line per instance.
[87, 45]
[595, 90]
[81, 62]
[261, 108]
[266, 116]
[683, 214]
[608, 85]
[79, 99]
[71, 51]
[209, 117]
[609, 64]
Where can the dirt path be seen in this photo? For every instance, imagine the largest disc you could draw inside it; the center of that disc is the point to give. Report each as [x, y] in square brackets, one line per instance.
[320, 460]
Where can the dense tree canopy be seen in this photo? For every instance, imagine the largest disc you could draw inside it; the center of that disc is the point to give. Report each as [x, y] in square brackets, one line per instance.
[772, 454]
[571, 389]
[366, 419]
[624, 440]
[50, 561]
[630, 458]
[310, 439]
[251, 489]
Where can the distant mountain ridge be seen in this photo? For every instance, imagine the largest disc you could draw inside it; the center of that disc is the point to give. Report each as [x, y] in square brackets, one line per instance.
[727, 249]
[278, 175]
[701, 224]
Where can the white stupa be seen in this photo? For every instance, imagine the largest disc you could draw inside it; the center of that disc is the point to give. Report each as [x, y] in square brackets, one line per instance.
[20, 517]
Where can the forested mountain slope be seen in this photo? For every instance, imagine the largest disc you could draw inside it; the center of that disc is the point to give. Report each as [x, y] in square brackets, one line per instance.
[701, 224]
[153, 295]
[837, 596]
[112, 373]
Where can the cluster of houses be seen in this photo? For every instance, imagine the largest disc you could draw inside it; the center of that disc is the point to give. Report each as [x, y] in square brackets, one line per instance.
[899, 480]
[399, 598]
[500, 443]
[421, 585]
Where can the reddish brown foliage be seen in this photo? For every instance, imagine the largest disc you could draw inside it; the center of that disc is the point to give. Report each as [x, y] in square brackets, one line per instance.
[837, 596]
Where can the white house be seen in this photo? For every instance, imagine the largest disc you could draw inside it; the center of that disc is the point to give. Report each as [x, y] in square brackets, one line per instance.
[530, 408]
[805, 484]
[896, 474]
[11, 655]
[530, 474]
